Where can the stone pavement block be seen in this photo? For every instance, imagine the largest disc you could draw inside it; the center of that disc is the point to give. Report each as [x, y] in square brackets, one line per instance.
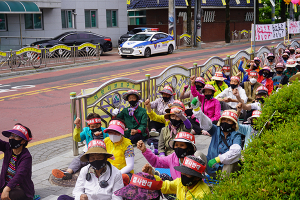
[51, 197]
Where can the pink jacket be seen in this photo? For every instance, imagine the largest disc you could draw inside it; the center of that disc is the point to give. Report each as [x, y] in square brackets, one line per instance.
[169, 161]
[212, 107]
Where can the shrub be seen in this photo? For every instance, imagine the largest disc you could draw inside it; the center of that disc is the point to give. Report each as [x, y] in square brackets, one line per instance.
[270, 166]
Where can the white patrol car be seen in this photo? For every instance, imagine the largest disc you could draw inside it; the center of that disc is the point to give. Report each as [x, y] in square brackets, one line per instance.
[147, 43]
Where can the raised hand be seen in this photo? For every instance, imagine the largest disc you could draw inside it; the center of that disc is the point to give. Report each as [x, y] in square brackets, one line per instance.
[193, 79]
[141, 146]
[77, 122]
[147, 169]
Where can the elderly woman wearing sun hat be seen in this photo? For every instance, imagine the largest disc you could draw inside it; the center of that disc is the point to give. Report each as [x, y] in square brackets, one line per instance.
[264, 78]
[15, 178]
[199, 83]
[291, 69]
[218, 83]
[225, 147]
[99, 179]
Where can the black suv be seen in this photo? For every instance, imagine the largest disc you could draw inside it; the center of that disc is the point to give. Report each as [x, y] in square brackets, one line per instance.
[134, 31]
[77, 38]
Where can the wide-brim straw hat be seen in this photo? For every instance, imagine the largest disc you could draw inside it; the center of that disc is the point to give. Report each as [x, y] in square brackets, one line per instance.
[291, 63]
[230, 114]
[129, 92]
[168, 90]
[95, 146]
[184, 137]
[295, 77]
[218, 76]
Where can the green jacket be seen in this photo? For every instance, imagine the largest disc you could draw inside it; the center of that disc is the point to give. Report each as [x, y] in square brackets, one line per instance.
[164, 138]
[218, 91]
[140, 114]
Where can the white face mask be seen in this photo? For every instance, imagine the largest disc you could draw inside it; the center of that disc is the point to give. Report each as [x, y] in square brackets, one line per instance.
[253, 80]
[115, 138]
[227, 73]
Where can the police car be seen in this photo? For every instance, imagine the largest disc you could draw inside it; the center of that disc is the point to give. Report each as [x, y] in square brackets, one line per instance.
[147, 43]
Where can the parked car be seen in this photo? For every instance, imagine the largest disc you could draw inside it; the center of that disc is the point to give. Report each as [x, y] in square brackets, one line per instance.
[77, 38]
[147, 43]
[134, 31]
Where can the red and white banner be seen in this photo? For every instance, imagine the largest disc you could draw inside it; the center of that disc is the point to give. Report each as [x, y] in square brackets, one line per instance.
[294, 27]
[268, 31]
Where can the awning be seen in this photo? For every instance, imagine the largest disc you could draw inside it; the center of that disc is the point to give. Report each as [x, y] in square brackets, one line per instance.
[18, 7]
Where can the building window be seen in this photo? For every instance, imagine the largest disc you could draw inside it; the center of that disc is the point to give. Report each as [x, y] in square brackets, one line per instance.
[33, 21]
[67, 18]
[137, 17]
[90, 18]
[3, 22]
[209, 16]
[112, 18]
[249, 17]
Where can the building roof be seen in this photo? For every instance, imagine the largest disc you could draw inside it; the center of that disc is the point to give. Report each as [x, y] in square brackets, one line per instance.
[142, 4]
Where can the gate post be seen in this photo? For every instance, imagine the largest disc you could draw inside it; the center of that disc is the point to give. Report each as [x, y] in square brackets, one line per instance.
[73, 117]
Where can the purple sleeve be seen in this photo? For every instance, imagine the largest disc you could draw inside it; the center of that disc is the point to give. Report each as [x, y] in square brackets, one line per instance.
[23, 171]
[217, 113]
[155, 161]
[3, 145]
[162, 154]
[187, 124]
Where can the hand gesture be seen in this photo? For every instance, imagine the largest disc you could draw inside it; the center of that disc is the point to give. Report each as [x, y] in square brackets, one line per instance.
[141, 146]
[225, 99]
[193, 79]
[84, 197]
[235, 92]
[239, 74]
[243, 58]
[77, 122]
[147, 102]
[98, 133]
[195, 103]
[239, 108]
[185, 87]
[5, 195]
[133, 131]
[147, 169]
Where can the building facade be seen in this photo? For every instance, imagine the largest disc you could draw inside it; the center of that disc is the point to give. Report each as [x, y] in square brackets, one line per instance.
[103, 17]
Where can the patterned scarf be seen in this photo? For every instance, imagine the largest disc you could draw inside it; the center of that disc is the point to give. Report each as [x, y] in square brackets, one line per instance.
[132, 109]
[173, 130]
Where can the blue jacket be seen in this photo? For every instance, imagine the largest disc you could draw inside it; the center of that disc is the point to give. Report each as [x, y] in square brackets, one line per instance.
[217, 146]
[227, 80]
[246, 78]
[86, 135]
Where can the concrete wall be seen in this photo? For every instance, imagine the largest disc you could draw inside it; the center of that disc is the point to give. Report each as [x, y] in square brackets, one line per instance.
[52, 22]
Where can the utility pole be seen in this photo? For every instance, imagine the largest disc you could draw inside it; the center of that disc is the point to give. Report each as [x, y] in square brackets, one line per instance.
[172, 19]
[197, 23]
[254, 27]
[273, 15]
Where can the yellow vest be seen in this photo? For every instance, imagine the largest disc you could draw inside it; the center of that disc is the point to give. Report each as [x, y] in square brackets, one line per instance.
[118, 150]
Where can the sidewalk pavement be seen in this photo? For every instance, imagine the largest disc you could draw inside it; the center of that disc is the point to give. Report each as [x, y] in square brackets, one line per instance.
[58, 154]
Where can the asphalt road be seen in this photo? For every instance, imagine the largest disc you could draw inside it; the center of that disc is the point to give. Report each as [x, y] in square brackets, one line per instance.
[41, 101]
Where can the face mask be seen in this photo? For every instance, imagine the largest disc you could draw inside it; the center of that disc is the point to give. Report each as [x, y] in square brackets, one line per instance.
[270, 60]
[254, 67]
[265, 74]
[180, 153]
[175, 122]
[279, 72]
[233, 86]
[284, 58]
[14, 144]
[96, 130]
[227, 73]
[257, 63]
[226, 127]
[115, 138]
[261, 100]
[199, 87]
[133, 103]
[98, 164]
[253, 80]
[208, 97]
[166, 99]
[292, 52]
[186, 181]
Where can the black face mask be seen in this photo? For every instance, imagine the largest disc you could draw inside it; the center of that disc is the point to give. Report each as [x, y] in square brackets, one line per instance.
[181, 153]
[199, 87]
[233, 86]
[257, 63]
[175, 122]
[98, 164]
[265, 74]
[261, 100]
[254, 67]
[285, 58]
[279, 72]
[96, 130]
[166, 99]
[186, 181]
[14, 144]
[270, 60]
[292, 51]
[189, 112]
[133, 103]
[208, 97]
[226, 127]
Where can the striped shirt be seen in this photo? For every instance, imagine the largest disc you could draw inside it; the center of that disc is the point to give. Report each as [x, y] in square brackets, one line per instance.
[11, 171]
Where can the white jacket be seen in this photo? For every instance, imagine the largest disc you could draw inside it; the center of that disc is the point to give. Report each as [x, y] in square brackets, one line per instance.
[92, 188]
[228, 93]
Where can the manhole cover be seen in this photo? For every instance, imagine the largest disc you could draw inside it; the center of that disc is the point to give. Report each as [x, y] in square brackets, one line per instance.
[64, 183]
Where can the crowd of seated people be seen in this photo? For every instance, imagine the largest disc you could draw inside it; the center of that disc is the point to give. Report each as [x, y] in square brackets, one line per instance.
[224, 108]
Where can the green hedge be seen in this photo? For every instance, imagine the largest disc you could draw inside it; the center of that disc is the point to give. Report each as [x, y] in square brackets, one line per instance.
[271, 165]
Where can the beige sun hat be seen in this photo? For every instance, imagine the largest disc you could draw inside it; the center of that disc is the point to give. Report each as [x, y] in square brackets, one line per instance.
[95, 146]
[230, 114]
[295, 77]
[218, 76]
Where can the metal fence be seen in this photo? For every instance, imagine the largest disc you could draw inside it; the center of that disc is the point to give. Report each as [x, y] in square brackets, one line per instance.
[185, 40]
[240, 35]
[106, 97]
[32, 57]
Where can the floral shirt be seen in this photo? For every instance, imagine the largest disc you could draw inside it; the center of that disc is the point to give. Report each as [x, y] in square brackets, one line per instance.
[129, 152]
[160, 106]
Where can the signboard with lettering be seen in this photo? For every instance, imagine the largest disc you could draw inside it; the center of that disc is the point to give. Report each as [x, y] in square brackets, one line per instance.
[294, 27]
[268, 31]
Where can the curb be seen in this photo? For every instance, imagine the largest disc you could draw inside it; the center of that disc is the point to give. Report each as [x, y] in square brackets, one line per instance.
[49, 68]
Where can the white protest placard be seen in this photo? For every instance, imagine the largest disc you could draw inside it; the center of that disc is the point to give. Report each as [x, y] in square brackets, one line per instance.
[269, 31]
[294, 27]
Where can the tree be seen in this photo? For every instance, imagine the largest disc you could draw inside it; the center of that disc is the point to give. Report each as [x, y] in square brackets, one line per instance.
[227, 26]
[189, 20]
[265, 13]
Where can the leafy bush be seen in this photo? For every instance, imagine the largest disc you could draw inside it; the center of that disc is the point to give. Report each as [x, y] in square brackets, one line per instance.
[270, 166]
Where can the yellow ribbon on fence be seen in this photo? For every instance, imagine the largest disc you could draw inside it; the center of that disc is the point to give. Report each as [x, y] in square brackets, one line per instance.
[224, 2]
[259, 1]
[187, 3]
[128, 2]
[203, 1]
[248, 1]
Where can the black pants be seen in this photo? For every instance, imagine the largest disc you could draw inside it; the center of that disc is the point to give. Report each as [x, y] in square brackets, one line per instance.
[17, 193]
[156, 125]
[135, 138]
[196, 126]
